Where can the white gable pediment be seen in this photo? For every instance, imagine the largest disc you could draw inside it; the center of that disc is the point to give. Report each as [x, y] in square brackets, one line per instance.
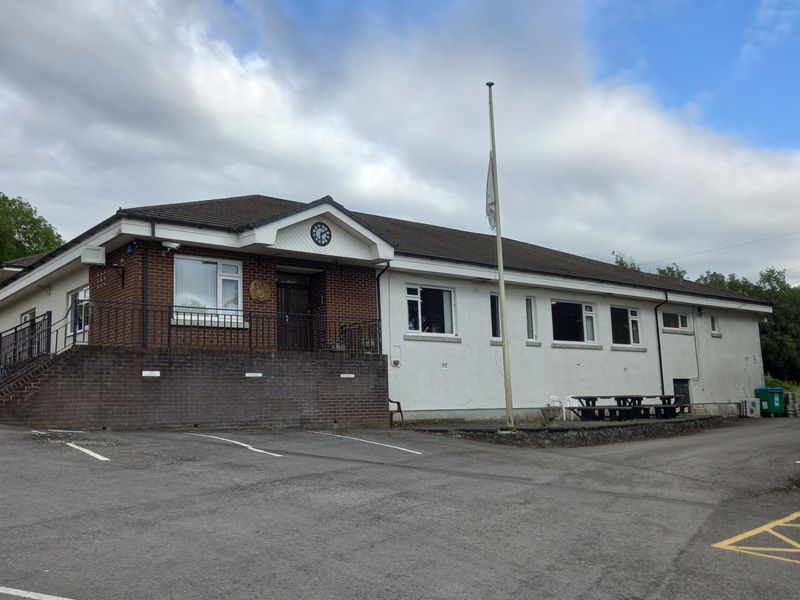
[347, 238]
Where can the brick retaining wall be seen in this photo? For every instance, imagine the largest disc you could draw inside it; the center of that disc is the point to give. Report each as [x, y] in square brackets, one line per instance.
[95, 388]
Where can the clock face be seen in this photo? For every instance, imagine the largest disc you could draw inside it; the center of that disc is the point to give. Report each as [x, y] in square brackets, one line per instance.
[321, 233]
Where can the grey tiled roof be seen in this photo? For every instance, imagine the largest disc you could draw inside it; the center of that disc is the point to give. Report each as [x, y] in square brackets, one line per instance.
[420, 239]
[23, 262]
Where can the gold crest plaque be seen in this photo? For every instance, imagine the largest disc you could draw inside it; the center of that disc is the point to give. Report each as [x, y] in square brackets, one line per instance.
[260, 290]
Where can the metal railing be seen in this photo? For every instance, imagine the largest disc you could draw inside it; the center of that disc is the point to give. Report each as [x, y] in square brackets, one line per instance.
[25, 342]
[162, 327]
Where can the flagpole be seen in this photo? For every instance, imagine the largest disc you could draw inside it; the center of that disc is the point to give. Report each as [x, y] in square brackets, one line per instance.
[500, 277]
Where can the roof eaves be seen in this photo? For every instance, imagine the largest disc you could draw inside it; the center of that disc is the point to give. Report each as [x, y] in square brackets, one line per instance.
[322, 201]
[132, 214]
[739, 298]
[61, 249]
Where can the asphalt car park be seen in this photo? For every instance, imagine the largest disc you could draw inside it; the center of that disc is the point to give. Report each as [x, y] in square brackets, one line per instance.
[396, 514]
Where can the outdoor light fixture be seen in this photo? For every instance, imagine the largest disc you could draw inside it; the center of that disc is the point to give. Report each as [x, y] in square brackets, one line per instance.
[170, 245]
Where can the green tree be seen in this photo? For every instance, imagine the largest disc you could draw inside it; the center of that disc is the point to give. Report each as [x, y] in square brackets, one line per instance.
[23, 231]
[672, 270]
[627, 262]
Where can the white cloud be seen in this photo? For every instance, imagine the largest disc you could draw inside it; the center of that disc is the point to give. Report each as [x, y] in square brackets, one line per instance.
[159, 103]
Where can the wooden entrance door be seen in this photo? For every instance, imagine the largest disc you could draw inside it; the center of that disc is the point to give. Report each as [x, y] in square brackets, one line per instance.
[295, 322]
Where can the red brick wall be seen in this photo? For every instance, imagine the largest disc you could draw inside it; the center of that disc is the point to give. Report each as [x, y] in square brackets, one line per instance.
[93, 388]
[340, 293]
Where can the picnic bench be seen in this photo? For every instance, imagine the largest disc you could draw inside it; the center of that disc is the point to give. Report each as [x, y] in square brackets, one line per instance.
[629, 406]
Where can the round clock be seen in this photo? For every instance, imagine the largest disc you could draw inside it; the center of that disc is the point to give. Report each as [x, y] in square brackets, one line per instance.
[321, 233]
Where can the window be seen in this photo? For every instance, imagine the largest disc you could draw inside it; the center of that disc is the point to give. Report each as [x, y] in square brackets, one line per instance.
[430, 310]
[572, 322]
[715, 326]
[675, 320]
[530, 313]
[205, 285]
[624, 325]
[78, 309]
[494, 305]
[27, 316]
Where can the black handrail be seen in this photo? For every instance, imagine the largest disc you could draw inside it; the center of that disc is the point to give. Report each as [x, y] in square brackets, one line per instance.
[21, 344]
[119, 324]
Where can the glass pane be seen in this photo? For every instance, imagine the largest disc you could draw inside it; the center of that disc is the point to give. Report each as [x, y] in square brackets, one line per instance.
[230, 294]
[529, 314]
[670, 320]
[588, 308]
[230, 269]
[412, 291]
[195, 284]
[437, 311]
[495, 315]
[413, 315]
[635, 330]
[589, 328]
[620, 331]
[684, 321]
[447, 300]
[567, 322]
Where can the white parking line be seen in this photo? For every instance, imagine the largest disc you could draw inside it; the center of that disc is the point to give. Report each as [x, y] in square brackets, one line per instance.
[347, 437]
[34, 595]
[89, 452]
[248, 446]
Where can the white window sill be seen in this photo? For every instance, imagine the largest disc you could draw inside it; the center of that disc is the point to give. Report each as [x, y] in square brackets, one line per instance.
[677, 331]
[495, 342]
[577, 345]
[533, 343]
[220, 323]
[627, 348]
[432, 337]
[716, 334]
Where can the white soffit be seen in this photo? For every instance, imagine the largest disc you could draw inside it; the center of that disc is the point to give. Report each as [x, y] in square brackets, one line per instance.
[350, 239]
[60, 261]
[488, 274]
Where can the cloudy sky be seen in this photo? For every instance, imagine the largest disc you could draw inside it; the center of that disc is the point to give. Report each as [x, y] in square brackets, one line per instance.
[667, 130]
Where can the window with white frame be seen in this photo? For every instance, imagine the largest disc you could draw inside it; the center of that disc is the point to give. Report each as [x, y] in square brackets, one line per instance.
[430, 310]
[572, 321]
[494, 306]
[530, 314]
[715, 330]
[625, 326]
[205, 285]
[27, 316]
[675, 320]
[78, 311]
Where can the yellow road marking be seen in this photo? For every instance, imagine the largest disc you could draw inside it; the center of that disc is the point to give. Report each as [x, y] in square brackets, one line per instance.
[733, 545]
[782, 537]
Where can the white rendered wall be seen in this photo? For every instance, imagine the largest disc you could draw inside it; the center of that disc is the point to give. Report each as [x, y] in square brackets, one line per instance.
[720, 368]
[48, 295]
[466, 372]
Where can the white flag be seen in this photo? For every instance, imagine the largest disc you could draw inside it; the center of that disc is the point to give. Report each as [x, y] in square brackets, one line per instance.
[490, 200]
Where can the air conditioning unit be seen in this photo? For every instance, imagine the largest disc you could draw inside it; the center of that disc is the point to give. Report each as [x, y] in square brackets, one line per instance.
[749, 408]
